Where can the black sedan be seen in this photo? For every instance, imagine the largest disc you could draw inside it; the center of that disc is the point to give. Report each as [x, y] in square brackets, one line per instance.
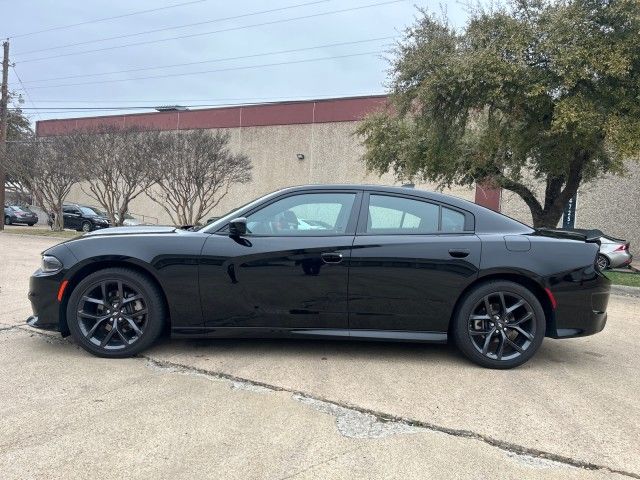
[16, 214]
[350, 261]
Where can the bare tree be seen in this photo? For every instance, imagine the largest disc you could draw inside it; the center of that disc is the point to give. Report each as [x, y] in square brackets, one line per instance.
[117, 166]
[196, 171]
[48, 168]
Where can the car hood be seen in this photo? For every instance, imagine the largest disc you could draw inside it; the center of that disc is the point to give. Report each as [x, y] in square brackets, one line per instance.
[137, 230]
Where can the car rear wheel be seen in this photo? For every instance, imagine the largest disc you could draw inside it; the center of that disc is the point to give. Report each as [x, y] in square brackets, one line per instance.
[86, 226]
[499, 324]
[115, 313]
[602, 262]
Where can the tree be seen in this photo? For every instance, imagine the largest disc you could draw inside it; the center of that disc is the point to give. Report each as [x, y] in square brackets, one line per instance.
[117, 166]
[18, 130]
[537, 95]
[195, 172]
[47, 167]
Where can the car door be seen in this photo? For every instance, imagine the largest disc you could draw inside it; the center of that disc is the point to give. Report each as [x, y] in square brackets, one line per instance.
[411, 259]
[290, 271]
[71, 217]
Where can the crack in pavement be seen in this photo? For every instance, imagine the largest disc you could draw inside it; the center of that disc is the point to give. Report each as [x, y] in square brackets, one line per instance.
[403, 424]
[337, 408]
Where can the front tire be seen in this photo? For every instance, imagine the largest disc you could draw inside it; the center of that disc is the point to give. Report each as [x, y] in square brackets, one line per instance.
[7, 220]
[115, 313]
[499, 324]
[86, 227]
[603, 262]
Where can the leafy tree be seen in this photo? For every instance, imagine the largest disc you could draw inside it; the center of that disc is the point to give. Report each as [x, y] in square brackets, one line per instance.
[537, 96]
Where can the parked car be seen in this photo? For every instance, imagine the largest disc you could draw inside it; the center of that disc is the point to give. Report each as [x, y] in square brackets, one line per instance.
[82, 218]
[130, 221]
[614, 252]
[389, 263]
[17, 214]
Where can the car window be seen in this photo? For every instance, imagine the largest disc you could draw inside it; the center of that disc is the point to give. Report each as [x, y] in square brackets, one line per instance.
[70, 210]
[305, 214]
[87, 211]
[397, 215]
[452, 220]
[401, 215]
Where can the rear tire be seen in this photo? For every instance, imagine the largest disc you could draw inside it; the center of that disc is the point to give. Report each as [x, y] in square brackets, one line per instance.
[116, 313]
[499, 324]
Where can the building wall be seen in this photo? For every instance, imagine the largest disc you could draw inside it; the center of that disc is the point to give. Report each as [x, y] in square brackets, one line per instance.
[332, 155]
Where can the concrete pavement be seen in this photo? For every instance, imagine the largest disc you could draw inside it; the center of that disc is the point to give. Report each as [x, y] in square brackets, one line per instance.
[283, 409]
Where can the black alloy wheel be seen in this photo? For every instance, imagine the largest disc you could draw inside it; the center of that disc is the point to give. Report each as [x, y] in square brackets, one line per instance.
[115, 313]
[602, 262]
[500, 325]
[86, 227]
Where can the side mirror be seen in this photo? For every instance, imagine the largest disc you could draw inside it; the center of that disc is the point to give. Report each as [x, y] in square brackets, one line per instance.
[238, 227]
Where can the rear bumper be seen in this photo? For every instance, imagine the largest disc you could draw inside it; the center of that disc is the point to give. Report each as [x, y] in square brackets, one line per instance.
[620, 259]
[582, 297]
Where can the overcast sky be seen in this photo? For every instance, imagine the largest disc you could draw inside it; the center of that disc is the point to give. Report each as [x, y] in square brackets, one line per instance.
[40, 58]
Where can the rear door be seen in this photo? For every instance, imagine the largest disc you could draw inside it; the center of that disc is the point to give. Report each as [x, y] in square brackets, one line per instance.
[71, 217]
[410, 261]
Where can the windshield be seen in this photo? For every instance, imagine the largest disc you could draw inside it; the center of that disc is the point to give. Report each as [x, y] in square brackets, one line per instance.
[218, 222]
[89, 211]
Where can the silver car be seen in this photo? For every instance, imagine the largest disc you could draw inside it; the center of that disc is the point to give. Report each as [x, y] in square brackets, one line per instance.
[614, 252]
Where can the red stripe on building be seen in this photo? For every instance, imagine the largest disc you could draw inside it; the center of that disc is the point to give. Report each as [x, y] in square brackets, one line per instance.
[284, 113]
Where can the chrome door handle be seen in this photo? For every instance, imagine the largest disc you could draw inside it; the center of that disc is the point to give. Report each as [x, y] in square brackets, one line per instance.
[331, 257]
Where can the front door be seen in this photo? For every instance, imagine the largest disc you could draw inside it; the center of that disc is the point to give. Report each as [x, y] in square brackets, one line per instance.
[291, 269]
[411, 260]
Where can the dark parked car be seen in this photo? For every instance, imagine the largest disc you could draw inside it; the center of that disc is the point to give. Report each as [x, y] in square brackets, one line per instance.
[16, 214]
[83, 218]
[368, 262]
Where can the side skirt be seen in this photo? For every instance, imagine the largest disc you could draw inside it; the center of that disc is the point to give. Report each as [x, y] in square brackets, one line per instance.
[327, 333]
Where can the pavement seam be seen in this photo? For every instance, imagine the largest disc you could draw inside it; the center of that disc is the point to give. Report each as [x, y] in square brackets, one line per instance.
[508, 447]
[390, 418]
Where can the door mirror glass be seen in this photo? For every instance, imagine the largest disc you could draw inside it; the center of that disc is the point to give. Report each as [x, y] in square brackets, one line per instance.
[238, 227]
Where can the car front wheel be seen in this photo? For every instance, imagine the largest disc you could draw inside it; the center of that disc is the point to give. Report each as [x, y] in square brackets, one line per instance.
[499, 324]
[115, 313]
[603, 262]
[7, 220]
[86, 227]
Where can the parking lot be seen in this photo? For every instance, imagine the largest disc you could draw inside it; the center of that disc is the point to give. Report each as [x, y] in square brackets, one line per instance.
[302, 409]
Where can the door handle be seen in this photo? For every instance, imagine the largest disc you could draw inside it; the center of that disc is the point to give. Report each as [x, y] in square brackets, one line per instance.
[459, 252]
[331, 257]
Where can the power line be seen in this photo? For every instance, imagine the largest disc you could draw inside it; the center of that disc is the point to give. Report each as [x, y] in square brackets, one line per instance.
[139, 12]
[224, 99]
[25, 90]
[230, 69]
[146, 32]
[192, 35]
[224, 59]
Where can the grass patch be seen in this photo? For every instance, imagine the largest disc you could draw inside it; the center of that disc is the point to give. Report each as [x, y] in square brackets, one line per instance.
[627, 279]
[41, 232]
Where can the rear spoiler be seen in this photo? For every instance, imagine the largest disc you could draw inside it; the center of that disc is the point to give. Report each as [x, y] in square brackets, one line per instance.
[589, 236]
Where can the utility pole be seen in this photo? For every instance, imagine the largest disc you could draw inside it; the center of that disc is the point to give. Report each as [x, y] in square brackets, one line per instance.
[3, 123]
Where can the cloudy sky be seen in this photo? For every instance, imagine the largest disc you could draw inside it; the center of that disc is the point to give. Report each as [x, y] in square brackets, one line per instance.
[237, 52]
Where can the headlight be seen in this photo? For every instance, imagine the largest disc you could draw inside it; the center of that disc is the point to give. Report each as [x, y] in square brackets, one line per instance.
[50, 264]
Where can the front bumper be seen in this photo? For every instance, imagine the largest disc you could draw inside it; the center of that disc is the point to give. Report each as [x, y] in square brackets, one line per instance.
[582, 297]
[43, 291]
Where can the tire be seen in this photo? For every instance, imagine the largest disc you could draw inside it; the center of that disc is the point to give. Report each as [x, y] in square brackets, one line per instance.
[31, 224]
[143, 304]
[484, 349]
[86, 227]
[7, 220]
[603, 262]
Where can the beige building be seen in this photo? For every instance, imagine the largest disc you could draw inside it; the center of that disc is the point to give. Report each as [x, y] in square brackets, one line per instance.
[293, 143]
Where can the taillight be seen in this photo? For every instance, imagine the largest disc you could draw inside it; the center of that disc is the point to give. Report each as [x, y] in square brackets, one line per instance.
[622, 248]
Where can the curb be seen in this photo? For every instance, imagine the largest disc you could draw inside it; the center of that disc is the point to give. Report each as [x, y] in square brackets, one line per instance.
[625, 291]
[27, 235]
